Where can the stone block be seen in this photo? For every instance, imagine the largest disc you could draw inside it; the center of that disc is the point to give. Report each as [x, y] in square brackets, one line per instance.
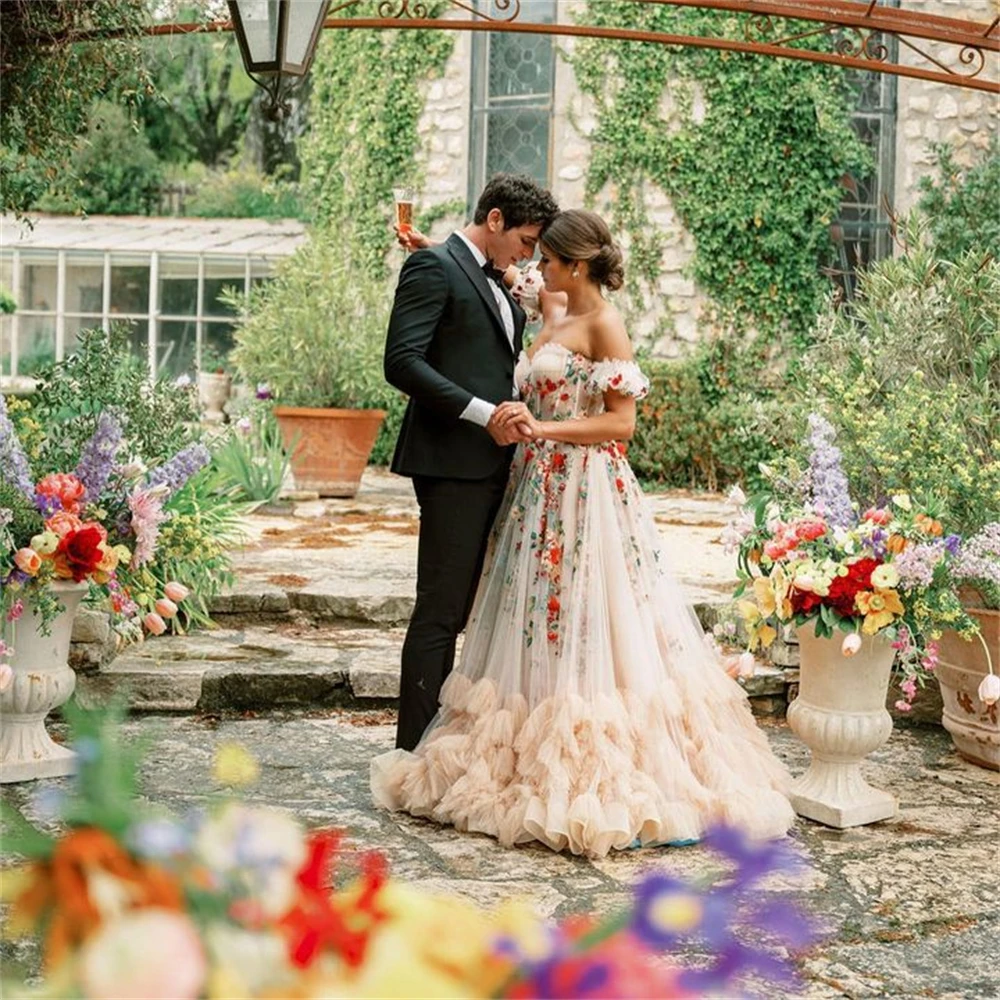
[946, 107]
[783, 654]
[91, 626]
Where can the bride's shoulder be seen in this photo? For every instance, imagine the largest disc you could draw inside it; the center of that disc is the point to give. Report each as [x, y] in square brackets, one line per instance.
[608, 336]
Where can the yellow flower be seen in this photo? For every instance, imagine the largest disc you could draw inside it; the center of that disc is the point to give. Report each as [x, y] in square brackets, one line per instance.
[762, 637]
[885, 576]
[234, 765]
[763, 591]
[879, 608]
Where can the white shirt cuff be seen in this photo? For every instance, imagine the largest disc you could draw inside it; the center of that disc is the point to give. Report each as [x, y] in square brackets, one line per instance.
[478, 411]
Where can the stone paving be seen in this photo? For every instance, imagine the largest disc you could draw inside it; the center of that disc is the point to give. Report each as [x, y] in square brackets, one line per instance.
[909, 906]
[324, 590]
[304, 668]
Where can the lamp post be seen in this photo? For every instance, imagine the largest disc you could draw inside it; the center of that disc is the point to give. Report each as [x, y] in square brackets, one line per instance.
[277, 39]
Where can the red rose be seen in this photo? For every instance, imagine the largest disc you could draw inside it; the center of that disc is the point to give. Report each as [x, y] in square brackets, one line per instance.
[79, 553]
[803, 601]
[844, 589]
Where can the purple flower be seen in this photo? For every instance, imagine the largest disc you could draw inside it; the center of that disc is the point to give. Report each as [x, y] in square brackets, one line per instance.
[916, 564]
[13, 464]
[98, 457]
[175, 473]
[829, 484]
[953, 543]
[264, 391]
[46, 504]
[980, 556]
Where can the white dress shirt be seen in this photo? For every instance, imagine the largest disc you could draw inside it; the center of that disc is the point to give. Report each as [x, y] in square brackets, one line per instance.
[479, 410]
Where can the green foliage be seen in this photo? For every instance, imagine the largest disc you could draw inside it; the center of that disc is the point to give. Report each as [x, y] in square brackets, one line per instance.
[50, 82]
[756, 177]
[911, 377]
[711, 418]
[155, 417]
[7, 303]
[114, 171]
[963, 204]
[205, 524]
[363, 113]
[314, 333]
[245, 193]
[251, 456]
[202, 101]
[25, 521]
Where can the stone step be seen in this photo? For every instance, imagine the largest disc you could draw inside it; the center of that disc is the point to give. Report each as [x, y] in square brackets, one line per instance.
[356, 602]
[290, 666]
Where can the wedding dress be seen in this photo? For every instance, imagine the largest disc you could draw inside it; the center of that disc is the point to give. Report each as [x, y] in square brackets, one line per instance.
[588, 710]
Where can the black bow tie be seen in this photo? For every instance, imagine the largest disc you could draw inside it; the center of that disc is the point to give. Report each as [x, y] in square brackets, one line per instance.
[493, 272]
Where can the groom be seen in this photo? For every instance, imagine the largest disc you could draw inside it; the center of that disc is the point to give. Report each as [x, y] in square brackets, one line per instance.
[454, 336]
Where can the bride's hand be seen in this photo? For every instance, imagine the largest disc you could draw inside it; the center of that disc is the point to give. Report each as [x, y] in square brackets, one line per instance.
[517, 415]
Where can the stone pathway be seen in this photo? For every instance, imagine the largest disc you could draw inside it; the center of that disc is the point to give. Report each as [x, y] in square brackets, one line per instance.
[323, 591]
[910, 906]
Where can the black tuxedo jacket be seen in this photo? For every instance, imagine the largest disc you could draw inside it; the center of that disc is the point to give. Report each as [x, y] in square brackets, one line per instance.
[446, 344]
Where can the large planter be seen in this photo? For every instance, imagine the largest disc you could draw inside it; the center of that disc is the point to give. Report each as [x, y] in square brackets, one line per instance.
[329, 448]
[42, 681]
[213, 394]
[840, 715]
[961, 669]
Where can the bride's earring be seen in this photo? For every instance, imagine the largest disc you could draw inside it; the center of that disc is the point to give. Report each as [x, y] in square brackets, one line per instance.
[576, 272]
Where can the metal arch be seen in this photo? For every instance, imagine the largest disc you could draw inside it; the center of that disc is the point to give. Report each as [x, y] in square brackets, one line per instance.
[970, 55]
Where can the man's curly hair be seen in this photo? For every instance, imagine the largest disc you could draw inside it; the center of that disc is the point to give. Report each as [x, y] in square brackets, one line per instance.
[520, 199]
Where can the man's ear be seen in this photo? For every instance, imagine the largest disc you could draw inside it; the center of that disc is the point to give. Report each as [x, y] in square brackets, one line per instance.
[494, 220]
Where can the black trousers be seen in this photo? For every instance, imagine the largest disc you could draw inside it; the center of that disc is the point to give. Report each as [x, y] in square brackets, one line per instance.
[455, 520]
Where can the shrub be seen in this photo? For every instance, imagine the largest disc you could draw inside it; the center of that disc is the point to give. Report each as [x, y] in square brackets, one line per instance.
[911, 376]
[245, 193]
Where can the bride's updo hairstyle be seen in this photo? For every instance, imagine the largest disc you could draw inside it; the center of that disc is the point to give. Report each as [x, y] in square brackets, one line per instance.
[580, 235]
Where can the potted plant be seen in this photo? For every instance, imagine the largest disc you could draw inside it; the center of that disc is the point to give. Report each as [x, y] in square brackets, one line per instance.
[909, 373]
[865, 589]
[970, 687]
[314, 336]
[214, 384]
[64, 536]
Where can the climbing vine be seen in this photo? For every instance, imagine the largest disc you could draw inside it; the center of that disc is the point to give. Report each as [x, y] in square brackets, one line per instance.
[750, 150]
[363, 138]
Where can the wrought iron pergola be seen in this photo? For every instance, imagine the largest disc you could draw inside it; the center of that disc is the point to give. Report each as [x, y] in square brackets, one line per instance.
[953, 51]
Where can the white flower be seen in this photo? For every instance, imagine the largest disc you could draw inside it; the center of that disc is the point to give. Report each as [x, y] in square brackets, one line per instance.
[736, 497]
[989, 689]
[902, 501]
[183, 381]
[804, 581]
[747, 665]
[851, 644]
[885, 576]
[146, 953]
[263, 847]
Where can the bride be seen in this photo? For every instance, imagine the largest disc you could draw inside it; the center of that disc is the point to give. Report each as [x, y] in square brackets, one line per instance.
[588, 711]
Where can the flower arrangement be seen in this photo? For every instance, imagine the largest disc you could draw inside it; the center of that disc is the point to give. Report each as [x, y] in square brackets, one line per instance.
[240, 900]
[809, 554]
[99, 524]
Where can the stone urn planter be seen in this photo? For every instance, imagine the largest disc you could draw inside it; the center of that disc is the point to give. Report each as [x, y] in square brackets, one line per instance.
[42, 681]
[961, 668]
[840, 715]
[213, 394]
[329, 448]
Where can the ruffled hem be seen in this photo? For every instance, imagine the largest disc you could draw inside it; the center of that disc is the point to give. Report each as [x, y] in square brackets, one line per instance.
[589, 776]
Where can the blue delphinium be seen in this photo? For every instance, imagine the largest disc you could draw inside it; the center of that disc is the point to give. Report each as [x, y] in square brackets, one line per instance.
[175, 473]
[98, 457]
[13, 463]
[829, 483]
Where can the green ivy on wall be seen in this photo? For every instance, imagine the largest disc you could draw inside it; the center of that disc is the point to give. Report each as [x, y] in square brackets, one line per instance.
[362, 142]
[751, 151]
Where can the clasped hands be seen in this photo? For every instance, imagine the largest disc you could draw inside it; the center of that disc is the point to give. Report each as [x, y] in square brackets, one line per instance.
[513, 423]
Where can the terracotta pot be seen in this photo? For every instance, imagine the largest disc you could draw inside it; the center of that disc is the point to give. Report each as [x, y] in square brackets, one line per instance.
[840, 715]
[973, 726]
[42, 681]
[330, 448]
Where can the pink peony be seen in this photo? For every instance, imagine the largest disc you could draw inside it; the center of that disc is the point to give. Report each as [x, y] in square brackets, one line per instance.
[66, 488]
[147, 514]
[877, 515]
[62, 523]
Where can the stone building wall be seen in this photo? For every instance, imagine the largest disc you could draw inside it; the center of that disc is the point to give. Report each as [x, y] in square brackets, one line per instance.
[935, 112]
[926, 112]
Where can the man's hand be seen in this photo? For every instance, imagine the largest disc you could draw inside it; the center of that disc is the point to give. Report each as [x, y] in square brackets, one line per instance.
[506, 431]
[516, 417]
[413, 239]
